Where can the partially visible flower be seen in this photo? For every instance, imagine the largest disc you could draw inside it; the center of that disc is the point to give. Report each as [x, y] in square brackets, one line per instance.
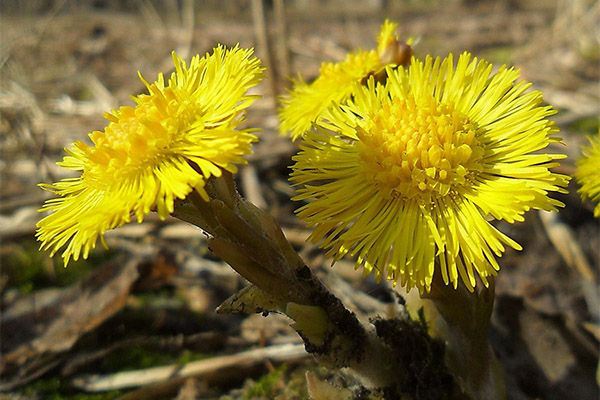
[588, 172]
[336, 81]
[406, 175]
[175, 138]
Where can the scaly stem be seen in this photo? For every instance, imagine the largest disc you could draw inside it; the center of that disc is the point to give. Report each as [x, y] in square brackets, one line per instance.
[397, 355]
[463, 322]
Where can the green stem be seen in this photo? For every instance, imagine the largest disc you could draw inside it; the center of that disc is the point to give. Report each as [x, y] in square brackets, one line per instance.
[464, 322]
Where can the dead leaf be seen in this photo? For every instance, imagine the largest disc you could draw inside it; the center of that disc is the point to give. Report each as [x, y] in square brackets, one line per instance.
[49, 322]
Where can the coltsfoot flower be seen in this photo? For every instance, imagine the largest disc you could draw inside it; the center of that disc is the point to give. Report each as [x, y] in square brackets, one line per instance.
[175, 138]
[588, 172]
[336, 81]
[407, 174]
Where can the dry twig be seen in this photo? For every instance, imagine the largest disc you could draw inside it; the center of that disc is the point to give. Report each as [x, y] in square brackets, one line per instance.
[198, 369]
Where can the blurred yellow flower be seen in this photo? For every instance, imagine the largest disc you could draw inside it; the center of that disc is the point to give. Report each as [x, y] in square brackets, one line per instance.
[305, 102]
[407, 173]
[588, 172]
[169, 144]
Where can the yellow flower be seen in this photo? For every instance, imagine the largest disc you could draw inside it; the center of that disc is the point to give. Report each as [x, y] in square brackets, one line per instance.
[169, 144]
[588, 172]
[305, 103]
[407, 173]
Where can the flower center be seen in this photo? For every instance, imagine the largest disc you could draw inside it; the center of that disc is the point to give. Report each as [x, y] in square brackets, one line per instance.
[123, 148]
[135, 140]
[419, 150]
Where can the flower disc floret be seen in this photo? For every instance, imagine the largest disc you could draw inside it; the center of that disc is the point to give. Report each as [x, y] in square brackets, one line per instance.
[418, 151]
[176, 137]
[407, 174]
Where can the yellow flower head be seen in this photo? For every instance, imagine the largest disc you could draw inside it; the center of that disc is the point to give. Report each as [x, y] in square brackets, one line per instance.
[407, 173]
[175, 138]
[336, 82]
[588, 172]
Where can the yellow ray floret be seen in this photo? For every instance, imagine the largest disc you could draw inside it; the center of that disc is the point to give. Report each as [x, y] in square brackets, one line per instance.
[406, 175]
[178, 135]
[305, 103]
[588, 172]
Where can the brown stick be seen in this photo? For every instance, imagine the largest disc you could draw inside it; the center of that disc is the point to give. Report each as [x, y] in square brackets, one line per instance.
[198, 369]
[262, 42]
[282, 43]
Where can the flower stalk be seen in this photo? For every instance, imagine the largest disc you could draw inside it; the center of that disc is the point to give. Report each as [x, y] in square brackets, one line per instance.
[462, 319]
[251, 241]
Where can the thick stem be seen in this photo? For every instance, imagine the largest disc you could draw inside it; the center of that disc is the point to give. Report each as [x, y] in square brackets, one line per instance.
[464, 321]
[397, 355]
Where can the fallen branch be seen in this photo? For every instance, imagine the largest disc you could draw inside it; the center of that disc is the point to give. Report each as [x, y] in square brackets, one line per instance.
[51, 322]
[197, 369]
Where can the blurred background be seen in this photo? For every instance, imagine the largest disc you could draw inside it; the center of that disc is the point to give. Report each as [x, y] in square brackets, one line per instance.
[137, 321]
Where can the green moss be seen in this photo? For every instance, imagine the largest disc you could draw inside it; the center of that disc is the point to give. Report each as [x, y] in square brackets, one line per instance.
[285, 382]
[188, 356]
[140, 357]
[148, 298]
[25, 267]
[266, 387]
[28, 268]
[135, 357]
[295, 381]
[57, 389]
[42, 386]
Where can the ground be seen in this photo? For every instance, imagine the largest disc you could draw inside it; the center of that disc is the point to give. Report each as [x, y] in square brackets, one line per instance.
[149, 300]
